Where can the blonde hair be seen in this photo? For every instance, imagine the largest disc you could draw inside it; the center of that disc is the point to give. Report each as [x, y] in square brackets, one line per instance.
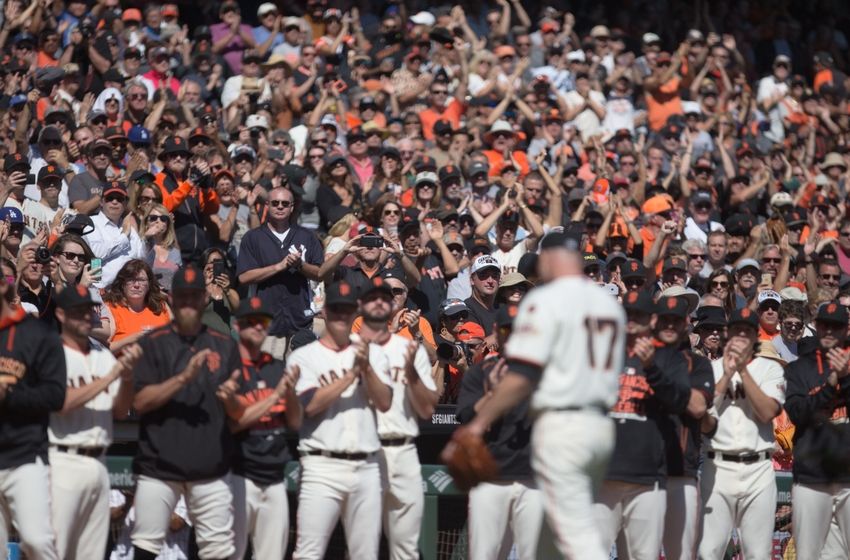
[169, 241]
[341, 227]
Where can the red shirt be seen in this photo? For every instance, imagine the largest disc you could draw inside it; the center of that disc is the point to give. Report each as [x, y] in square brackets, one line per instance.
[452, 113]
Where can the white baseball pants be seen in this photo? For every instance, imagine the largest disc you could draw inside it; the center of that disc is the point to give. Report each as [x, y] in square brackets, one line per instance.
[834, 549]
[638, 511]
[79, 487]
[682, 518]
[742, 496]
[261, 514]
[210, 506]
[570, 451]
[403, 500]
[331, 488]
[501, 514]
[25, 502]
[813, 509]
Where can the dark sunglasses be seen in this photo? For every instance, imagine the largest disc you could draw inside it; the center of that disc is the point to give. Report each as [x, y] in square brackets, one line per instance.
[719, 284]
[399, 291]
[158, 218]
[115, 198]
[71, 256]
[280, 203]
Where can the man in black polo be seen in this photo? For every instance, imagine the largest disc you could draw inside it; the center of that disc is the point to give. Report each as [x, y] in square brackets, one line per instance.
[185, 386]
[485, 275]
[276, 260]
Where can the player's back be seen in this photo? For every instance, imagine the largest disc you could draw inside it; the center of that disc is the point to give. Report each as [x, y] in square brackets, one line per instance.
[574, 330]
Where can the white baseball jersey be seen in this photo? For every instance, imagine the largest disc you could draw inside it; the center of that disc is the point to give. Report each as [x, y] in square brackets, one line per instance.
[738, 431]
[91, 424]
[401, 420]
[575, 331]
[349, 424]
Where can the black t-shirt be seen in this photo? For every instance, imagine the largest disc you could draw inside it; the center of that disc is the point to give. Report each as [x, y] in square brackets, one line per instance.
[262, 450]
[432, 289]
[481, 315]
[187, 438]
[509, 438]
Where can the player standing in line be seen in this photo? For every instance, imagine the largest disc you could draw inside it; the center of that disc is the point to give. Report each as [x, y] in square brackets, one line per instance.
[414, 398]
[738, 483]
[32, 385]
[260, 504]
[185, 384]
[509, 510]
[682, 432]
[566, 351]
[99, 388]
[343, 381]
[633, 497]
[817, 398]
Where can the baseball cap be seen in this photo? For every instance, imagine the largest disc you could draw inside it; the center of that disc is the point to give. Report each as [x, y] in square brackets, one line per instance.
[639, 301]
[650, 38]
[738, 224]
[142, 174]
[747, 317]
[244, 150]
[453, 238]
[265, 8]
[114, 133]
[188, 278]
[514, 279]
[781, 199]
[505, 315]
[478, 167]
[567, 239]
[769, 295]
[479, 245]
[253, 306]
[74, 296]
[131, 14]
[48, 172]
[12, 214]
[484, 261]
[376, 284]
[115, 187]
[257, 121]
[747, 263]
[701, 196]
[81, 224]
[139, 135]
[710, 316]
[590, 259]
[426, 177]
[793, 294]
[14, 161]
[470, 330]
[657, 204]
[340, 293]
[633, 269]
[674, 263]
[452, 306]
[832, 312]
[425, 163]
[672, 305]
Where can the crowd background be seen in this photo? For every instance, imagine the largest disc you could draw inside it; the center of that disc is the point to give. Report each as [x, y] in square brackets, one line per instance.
[704, 147]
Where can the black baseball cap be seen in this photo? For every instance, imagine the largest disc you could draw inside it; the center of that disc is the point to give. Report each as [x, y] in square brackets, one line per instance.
[832, 312]
[188, 278]
[142, 174]
[74, 296]
[15, 161]
[674, 263]
[253, 307]
[505, 315]
[710, 316]
[639, 301]
[632, 268]
[48, 172]
[340, 293]
[750, 318]
[672, 305]
[567, 239]
[376, 284]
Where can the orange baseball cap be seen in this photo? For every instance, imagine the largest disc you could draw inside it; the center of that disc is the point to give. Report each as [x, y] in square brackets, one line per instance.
[657, 204]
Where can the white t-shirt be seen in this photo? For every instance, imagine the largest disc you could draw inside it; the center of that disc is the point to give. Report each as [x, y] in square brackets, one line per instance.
[36, 215]
[91, 424]
[349, 424]
[587, 122]
[576, 331]
[401, 420]
[509, 260]
[738, 430]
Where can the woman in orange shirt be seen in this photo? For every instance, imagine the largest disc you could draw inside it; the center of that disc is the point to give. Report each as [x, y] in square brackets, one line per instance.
[135, 305]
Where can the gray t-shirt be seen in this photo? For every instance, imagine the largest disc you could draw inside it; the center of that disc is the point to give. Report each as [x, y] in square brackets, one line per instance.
[83, 187]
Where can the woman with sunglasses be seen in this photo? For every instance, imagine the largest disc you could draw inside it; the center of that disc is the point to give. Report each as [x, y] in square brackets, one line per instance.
[72, 256]
[143, 194]
[163, 254]
[719, 285]
[387, 178]
[110, 102]
[338, 186]
[386, 215]
[710, 330]
[222, 299]
[237, 212]
[134, 305]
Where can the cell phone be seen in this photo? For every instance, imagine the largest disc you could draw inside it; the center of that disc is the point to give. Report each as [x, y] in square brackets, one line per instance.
[218, 268]
[371, 241]
[275, 153]
[96, 263]
[766, 279]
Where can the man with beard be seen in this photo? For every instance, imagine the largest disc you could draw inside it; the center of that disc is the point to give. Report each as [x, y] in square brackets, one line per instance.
[682, 434]
[816, 401]
[185, 385]
[32, 385]
[260, 504]
[344, 380]
[86, 188]
[738, 483]
[746, 281]
[414, 398]
[738, 227]
[186, 192]
[442, 142]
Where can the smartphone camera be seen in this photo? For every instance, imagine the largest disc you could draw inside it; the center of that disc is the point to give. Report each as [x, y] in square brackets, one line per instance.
[371, 241]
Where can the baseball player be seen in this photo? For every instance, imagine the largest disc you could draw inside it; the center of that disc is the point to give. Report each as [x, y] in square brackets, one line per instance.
[32, 385]
[414, 398]
[509, 510]
[343, 382]
[99, 388]
[633, 497]
[185, 386]
[569, 363]
[260, 504]
[682, 432]
[817, 398]
[738, 484]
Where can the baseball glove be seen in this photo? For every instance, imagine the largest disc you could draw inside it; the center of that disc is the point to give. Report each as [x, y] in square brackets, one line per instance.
[468, 460]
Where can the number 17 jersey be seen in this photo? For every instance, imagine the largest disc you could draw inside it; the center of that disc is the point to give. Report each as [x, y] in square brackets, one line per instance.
[574, 331]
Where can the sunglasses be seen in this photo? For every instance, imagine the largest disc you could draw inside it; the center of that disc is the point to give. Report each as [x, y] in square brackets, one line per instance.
[99, 121]
[462, 316]
[830, 276]
[52, 142]
[71, 256]
[158, 218]
[260, 322]
[115, 198]
[392, 213]
[719, 284]
[792, 325]
[280, 203]
[771, 260]
[695, 256]
[398, 291]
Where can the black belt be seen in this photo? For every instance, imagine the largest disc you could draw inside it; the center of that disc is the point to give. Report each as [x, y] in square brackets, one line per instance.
[748, 458]
[337, 455]
[579, 409]
[396, 442]
[85, 451]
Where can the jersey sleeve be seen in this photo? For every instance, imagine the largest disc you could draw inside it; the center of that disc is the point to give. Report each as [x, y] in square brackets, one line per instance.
[773, 382]
[146, 370]
[534, 332]
[380, 364]
[702, 377]
[247, 259]
[307, 380]
[471, 391]
[423, 367]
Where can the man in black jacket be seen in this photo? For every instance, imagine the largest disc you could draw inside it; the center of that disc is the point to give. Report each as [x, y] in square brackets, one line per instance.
[32, 385]
[816, 399]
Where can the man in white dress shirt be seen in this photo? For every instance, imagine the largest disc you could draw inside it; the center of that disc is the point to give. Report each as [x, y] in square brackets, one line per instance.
[113, 240]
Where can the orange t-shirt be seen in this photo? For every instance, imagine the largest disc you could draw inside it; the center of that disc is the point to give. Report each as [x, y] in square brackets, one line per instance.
[424, 328]
[497, 160]
[451, 113]
[128, 322]
[663, 103]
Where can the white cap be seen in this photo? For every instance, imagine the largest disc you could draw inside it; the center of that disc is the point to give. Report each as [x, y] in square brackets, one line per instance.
[769, 295]
[257, 121]
[821, 180]
[328, 119]
[265, 8]
[691, 107]
[424, 18]
[484, 261]
[577, 56]
[781, 199]
[649, 38]
[793, 294]
[600, 31]
[426, 177]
